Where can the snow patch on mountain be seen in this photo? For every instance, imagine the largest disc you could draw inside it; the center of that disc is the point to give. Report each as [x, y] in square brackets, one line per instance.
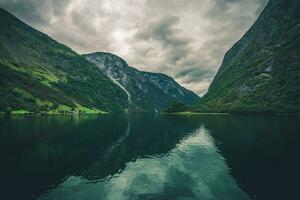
[121, 86]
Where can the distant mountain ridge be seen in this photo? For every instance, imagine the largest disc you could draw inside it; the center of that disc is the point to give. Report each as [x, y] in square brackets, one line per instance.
[145, 90]
[261, 72]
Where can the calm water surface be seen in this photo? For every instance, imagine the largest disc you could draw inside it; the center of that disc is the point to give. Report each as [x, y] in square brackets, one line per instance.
[139, 156]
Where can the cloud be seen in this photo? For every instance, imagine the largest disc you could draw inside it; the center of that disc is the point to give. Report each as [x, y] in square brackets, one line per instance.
[185, 39]
[36, 12]
[164, 31]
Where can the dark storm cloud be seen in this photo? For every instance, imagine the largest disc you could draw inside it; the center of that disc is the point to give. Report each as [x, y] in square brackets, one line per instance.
[194, 74]
[165, 32]
[35, 11]
[186, 39]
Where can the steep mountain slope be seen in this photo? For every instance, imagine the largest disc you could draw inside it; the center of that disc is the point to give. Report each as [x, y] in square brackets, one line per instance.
[261, 72]
[145, 90]
[40, 74]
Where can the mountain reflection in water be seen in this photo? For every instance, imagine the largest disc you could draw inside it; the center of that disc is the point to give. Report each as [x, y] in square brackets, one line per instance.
[145, 156]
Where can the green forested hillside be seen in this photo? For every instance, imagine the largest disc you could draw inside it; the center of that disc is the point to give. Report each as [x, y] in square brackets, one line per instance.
[40, 74]
[261, 72]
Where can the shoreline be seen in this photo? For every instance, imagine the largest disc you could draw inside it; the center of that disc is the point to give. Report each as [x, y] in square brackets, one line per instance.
[50, 114]
[195, 113]
[227, 113]
[186, 113]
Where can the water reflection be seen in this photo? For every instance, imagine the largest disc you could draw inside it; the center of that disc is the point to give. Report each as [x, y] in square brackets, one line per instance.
[38, 153]
[140, 156]
[262, 151]
[192, 170]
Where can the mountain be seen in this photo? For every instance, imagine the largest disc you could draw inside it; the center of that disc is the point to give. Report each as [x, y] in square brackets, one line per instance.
[145, 90]
[39, 74]
[261, 72]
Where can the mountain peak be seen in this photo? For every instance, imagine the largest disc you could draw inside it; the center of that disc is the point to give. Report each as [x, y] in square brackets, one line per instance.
[145, 90]
[106, 58]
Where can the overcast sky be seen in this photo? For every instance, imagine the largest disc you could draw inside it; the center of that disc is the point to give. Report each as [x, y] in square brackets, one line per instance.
[185, 39]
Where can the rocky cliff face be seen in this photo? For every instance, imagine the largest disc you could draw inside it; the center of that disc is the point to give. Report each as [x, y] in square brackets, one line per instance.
[261, 72]
[144, 90]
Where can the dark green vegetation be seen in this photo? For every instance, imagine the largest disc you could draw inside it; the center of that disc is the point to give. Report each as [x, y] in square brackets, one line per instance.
[39, 74]
[261, 72]
[176, 107]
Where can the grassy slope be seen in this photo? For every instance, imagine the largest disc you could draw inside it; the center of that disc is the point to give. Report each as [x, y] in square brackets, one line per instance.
[261, 72]
[40, 74]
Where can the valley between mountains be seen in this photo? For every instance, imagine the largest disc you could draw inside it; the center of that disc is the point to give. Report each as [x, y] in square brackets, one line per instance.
[259, 74]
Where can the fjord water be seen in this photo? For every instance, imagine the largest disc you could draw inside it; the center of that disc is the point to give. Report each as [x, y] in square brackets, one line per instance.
[145, 156]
